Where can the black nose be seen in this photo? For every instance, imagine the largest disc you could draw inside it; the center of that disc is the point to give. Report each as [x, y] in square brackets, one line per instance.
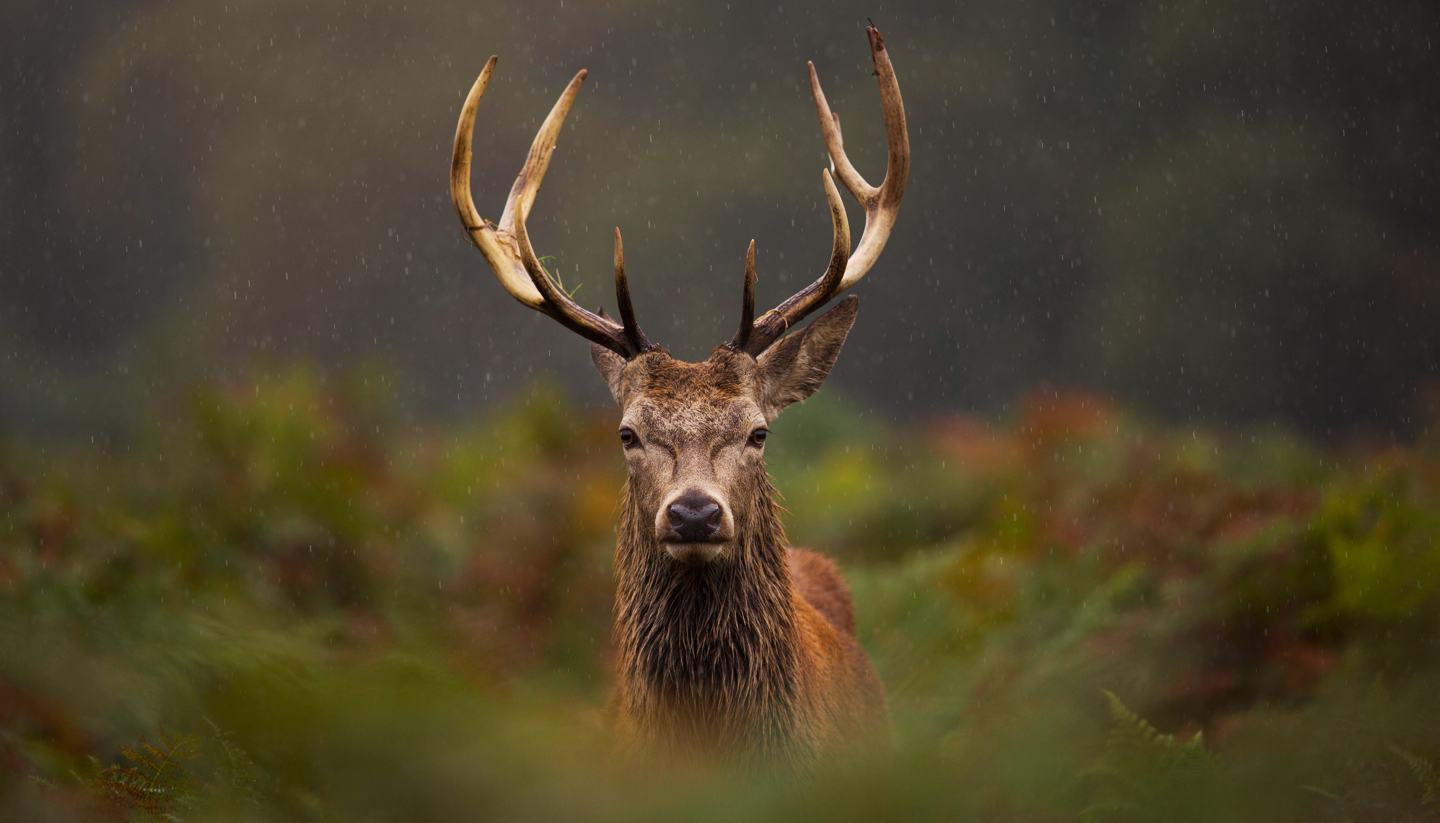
[694, 517]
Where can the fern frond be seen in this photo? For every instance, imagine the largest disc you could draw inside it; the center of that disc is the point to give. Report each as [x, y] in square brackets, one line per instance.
[1425, 774]
[1134, 734]
[154, 779]
[1134, 777]
[239, 769]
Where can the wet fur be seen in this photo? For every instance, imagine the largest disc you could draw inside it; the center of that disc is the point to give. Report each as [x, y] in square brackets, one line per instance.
[755, 652]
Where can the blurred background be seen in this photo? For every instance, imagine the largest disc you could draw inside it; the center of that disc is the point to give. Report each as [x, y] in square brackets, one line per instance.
[1211, 210]
[1132, 461]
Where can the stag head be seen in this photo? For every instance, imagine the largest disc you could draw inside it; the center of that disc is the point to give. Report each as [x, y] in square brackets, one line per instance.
[694, 433]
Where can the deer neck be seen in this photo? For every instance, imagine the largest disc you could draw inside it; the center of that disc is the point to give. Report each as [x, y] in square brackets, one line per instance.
[711, 650]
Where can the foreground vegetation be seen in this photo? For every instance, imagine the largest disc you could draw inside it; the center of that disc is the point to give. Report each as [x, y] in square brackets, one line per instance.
[290, 603]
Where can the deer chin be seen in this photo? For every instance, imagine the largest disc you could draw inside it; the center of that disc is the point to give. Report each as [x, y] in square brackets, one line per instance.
[693, 554]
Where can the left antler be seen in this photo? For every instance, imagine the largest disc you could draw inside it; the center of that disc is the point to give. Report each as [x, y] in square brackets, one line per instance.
[881, 203]
[507, 246]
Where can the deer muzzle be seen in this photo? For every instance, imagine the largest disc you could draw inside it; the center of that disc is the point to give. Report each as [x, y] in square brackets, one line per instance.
[694, 526]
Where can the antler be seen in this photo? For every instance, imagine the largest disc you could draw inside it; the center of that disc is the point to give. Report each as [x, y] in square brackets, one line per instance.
[507, 246]
[881, 203]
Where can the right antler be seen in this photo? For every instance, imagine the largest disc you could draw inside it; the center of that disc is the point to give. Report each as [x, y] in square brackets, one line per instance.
[882, 205]
[507, 246]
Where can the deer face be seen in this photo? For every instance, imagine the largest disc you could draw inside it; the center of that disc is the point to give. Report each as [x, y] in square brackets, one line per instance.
[694, 434]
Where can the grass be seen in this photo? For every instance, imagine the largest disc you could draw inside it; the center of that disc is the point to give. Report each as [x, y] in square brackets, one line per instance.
[286, 603]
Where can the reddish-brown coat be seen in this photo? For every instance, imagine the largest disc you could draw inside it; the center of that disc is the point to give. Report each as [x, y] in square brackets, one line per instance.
[753, 653]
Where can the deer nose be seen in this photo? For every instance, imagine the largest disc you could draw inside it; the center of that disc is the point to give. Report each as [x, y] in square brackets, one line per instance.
[694, 517]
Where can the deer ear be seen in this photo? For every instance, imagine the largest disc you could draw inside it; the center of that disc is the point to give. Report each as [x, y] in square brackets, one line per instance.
[610, 365]
[793, 369]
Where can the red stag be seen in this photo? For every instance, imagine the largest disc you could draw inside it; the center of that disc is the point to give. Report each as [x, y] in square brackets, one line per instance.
[729, 640]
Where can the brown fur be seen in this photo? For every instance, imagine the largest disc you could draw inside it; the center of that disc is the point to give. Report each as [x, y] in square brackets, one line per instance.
[754, 652]
[758, 654]
[818, 580]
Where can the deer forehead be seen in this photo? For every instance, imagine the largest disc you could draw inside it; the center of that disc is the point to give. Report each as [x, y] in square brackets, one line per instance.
[679, 424]
[684, 402]
[662, 380]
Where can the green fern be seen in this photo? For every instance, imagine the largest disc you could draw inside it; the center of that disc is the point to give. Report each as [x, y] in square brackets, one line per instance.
[153, 779]
[237, 769]
[1425, 774]
[1130, 733]
[1137, 773]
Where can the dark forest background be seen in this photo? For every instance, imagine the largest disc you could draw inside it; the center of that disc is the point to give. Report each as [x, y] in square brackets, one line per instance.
[295, 523]
[1215, 210]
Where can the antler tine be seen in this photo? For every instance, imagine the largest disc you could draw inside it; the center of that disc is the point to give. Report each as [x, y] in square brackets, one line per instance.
[633, 334]
[881, 203]
[507, 267]
[835, 142]
[537, 161]
[756, 337]
[507, 246]
[881, 213]
[747, 301]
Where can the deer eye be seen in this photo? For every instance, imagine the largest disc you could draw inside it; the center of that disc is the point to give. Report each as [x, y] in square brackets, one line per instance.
[628, 438]
[757, 437]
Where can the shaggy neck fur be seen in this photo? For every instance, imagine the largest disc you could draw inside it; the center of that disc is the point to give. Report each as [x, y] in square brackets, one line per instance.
[707, 654]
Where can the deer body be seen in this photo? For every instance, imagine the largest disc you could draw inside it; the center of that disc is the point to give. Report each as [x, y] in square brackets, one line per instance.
[730, 642]
[754, 649]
